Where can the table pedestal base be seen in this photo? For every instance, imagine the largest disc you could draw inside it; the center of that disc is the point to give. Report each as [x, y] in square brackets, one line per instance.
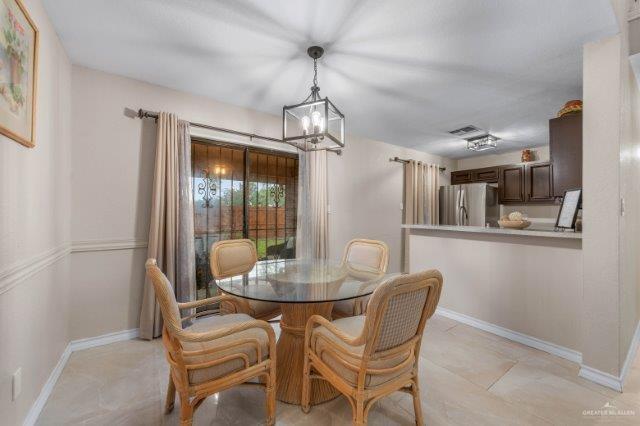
[290, 354]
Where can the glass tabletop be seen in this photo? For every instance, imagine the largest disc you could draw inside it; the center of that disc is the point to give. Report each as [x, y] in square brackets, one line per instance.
[303, 281]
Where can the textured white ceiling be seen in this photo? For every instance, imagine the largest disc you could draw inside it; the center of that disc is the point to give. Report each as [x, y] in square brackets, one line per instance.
[404, 72]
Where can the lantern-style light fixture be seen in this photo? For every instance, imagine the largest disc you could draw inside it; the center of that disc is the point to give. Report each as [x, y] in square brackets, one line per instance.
[316, 123]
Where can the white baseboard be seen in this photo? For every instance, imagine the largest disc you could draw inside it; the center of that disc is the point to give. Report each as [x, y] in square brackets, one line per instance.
[600, 377]
[631, 355]
[609, 380]
[534, 342]
[105, 339]
[46, 390]
[75, 345]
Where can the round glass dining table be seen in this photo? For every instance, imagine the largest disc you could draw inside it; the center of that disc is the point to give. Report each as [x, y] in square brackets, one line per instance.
[302, 288]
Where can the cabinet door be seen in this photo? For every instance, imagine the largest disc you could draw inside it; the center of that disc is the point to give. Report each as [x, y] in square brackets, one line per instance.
[487, 174]
[462, 176]
[565, 145]
[539, 182]
[511, 184]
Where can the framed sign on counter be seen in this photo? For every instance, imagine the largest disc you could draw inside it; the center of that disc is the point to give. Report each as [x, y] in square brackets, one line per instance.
[569, 209]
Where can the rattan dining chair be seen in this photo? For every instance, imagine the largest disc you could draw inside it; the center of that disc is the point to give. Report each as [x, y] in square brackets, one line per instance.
[235, 257]
[214, 353]
[367, 357]
[371, 253]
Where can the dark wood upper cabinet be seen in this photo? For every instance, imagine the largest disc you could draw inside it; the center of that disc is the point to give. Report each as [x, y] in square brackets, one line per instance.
[511, 184]
[539, 182]
[565, 146]
[462, 176]
[517, 183]
[485, 174]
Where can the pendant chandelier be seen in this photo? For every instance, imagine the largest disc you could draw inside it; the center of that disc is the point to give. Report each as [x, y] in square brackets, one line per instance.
[315, 124]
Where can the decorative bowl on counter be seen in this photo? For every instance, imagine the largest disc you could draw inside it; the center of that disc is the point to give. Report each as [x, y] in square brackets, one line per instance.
[514, 224]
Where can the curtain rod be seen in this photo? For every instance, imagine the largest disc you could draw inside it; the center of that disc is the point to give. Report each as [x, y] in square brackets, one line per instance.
[143, 113]
[400, 160]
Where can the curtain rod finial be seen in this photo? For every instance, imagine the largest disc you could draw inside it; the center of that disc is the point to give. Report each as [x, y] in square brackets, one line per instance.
[131, 113]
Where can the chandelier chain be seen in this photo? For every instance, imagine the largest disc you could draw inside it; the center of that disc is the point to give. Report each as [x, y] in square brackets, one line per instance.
[315, 73]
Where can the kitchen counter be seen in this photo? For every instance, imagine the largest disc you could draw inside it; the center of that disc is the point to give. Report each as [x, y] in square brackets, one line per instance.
[530, 232]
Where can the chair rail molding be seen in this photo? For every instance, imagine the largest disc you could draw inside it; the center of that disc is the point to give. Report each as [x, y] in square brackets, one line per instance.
[16, 273]
[20, 271]
[107, 245]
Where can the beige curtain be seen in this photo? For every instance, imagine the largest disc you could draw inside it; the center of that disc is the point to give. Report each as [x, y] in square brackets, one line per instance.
[421, 186]
[312, 234]
[171, 225]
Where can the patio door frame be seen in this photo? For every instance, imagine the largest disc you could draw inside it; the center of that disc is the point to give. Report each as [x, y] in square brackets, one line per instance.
[245, 181]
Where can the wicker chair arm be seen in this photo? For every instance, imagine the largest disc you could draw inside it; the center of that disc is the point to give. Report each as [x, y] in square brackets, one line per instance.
[205, 302]
[189, 336]
[347, 338]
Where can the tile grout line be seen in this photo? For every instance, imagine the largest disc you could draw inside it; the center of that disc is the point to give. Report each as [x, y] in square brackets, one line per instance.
[498, 379]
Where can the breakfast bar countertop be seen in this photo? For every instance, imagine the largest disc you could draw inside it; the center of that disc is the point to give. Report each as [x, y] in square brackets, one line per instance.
[548, 233]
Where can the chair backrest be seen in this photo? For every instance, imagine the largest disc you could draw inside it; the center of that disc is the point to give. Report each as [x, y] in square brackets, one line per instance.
[165, 295]
[399, 309]
[232, 257]
[372, 253]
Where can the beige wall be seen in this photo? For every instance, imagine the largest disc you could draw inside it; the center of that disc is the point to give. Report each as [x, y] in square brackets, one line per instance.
[601, 181]
[365, 195]
[611, 174]
[34, 234]
[541, 153]
[525, 284]
[112, 173]
[630, 192]
[634, 36]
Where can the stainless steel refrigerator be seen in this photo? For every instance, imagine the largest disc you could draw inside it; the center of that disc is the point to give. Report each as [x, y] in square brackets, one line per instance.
[473, 204]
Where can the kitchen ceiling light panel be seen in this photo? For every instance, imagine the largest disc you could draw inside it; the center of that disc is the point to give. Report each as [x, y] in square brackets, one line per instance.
[482, 143]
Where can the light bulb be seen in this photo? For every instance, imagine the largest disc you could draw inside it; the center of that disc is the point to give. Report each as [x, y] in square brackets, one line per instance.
[318, 121]
[316, 117]
[306, 121]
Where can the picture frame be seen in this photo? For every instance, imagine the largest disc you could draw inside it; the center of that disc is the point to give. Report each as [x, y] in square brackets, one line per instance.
[19, 44]
[568, 213]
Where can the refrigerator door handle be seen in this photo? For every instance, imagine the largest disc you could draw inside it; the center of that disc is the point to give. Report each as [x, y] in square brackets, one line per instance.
[459, 194]
[462, 210]
[464, 215]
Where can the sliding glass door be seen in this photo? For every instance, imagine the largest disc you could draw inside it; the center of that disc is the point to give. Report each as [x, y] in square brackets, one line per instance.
[241, 192]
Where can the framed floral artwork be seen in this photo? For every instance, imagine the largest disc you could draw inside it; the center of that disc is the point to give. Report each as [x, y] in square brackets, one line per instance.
[18, 72]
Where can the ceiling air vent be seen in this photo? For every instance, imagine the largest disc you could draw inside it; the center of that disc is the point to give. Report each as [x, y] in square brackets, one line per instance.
[465, 130]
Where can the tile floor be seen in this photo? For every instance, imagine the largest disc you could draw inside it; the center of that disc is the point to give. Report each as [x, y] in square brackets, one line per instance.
[468, 377]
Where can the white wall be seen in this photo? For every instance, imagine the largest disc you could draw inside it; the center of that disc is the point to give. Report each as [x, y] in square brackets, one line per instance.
[34, 233]
[113, 158]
